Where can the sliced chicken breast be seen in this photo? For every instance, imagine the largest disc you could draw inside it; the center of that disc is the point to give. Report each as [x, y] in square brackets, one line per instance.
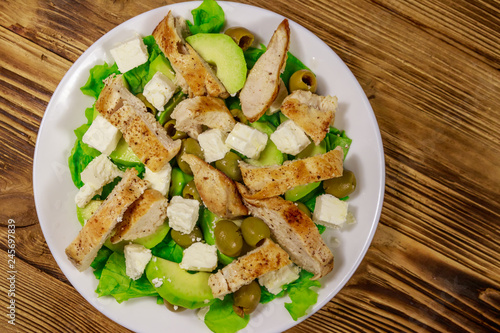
[262, 85]
[313, 113]
[266, 258]
[192, 113]
[143, 217]
[195, 76]
[270, 181]
[217, 191]
[293, 230]
[145, 136]
[82, 251]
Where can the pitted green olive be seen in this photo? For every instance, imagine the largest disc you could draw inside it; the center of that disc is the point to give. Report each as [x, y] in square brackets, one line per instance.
[241, 36]
[186, 240]
[239, 116]
[172, 131]
[191, 192]
[228, 238]
[189, 146]
[149, 106]
[254, 230]
[246, 298]
[229, 165]
[303, 80]
[173, 308]
[342, 186]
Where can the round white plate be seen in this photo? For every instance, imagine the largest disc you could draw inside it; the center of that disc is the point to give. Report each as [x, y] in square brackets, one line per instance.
[54, 191]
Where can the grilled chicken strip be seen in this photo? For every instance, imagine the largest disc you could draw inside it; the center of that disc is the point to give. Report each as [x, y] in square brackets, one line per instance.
[217, 191]
[266, 258]
[82, 251]
[143, 217]
[193, 74]
[192, 113]
[294, 231]
[262, 85]
[265, 182]
[313, 113]
[145, 136]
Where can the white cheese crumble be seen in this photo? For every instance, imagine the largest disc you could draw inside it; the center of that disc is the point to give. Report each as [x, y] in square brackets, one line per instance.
[159, 180]
[157, 282]
[289, 138]
[330, 211]
[213, 144]
[130, 54]
[199, 257]
[275, 280]
[102, 135]
[247, 140]
[159, 90]
[136, 259]
[183, 214]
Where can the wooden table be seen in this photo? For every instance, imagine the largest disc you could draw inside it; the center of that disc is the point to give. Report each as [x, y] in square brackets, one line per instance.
[431, 72]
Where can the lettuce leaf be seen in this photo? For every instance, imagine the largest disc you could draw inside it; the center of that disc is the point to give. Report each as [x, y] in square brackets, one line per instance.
[115, 282]
[98, 73]
[300, 292]
[221, 317]
[168, 249]
[208, 17]
[81, 155]
[336, 137]
[100, 261]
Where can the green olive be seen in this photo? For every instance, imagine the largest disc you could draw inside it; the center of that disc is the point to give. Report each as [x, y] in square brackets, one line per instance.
[228, 238]
[229, 165]
[173, 308]
[172, 131]
[189, 146]
[149, 106]
[254, 230]
[239, 116]
[341, 186]
[304, 209]
[241, 36]
[303, 80]
[186, 240]
[246, 298]
[191, 192]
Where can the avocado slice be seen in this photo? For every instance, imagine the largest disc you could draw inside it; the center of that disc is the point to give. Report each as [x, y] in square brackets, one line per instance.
[180, 287]
[223, 52]
[124, 155]
[83, 214]
[161, 64]
[271, 154]
[147, 241]
[298, 192]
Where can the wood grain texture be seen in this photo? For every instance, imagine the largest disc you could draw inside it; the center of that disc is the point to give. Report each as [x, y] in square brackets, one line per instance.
[431, 70]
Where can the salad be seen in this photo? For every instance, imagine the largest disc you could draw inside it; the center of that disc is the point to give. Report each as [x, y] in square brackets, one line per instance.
[107, 163]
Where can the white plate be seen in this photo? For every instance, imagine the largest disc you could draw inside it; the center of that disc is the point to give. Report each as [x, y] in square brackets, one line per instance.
[54, 191]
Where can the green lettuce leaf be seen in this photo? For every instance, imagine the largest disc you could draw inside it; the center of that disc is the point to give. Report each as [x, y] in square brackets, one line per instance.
[100, 261]
[168, 249]
[115, 282]
[208, 17]
[301, 295]
[81, 156]
[98, 73]
[221, 317]
[336, 138]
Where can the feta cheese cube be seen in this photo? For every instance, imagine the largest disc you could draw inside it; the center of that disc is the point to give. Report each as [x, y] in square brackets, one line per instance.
[102, 135]
[136, 259]
[130, 54]
[330, 211]
[99, 172]
[159, 180]
[199, 257]
[247, 140]
[182, 214]
[213, 144]
[290, 138]
[275, 280]
[159, 90]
